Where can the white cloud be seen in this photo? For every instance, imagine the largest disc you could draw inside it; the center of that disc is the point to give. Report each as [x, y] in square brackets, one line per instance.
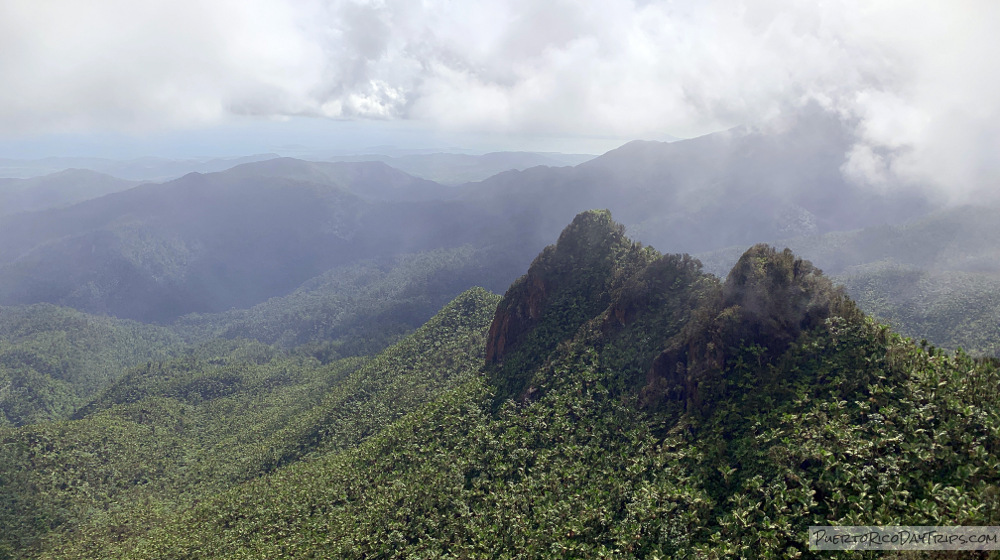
[132, 65]
[916, 77]
[935, 111]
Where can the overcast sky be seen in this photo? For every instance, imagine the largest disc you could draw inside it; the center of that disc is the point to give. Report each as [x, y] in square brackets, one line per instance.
[918, 79]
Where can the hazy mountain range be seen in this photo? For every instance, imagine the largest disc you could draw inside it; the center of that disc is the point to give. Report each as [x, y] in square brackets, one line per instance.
[138, 169]
[62, 188]
[450, 168]
[455, 169]
[211, 242]
[234, 238]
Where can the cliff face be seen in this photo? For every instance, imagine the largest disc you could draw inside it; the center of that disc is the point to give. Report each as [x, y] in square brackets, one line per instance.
[516, 315]
[567, 285]
[671, 332]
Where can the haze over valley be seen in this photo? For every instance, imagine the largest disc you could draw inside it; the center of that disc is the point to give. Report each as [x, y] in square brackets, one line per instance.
[378, 280]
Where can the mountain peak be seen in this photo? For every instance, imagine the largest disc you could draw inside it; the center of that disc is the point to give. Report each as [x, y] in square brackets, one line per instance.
[672, 330]
[768, 300]
[566, 285]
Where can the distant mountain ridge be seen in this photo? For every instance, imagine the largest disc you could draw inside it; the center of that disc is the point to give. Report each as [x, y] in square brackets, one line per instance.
[370, 180]
[455, 169]
[59, 189]
[138, 169]
[708, 192]
[208, 243]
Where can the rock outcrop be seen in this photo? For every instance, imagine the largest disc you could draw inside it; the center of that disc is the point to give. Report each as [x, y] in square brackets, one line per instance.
[567, 285]
[768, 299]
[674, 337]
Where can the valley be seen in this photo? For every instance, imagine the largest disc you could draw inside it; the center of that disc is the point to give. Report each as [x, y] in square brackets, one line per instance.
[213, 366]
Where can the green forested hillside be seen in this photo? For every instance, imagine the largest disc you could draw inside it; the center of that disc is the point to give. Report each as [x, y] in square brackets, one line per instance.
[54, 360]
[953, 309]
[660, 412]
[170, 434]
[359, 309]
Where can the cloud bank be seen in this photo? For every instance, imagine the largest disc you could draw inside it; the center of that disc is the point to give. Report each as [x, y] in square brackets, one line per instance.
[915, 79]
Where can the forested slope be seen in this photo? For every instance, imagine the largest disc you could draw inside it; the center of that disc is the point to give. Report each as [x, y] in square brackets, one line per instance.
[621, 404]
[53, 360]
[170, 434]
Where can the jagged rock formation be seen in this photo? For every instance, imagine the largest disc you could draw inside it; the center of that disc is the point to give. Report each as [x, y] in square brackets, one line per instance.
[768, 299]
[654, 314]
[580, 262]
[566, 286]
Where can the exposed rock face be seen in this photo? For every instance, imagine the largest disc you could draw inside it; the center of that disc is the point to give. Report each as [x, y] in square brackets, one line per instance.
[768, 299]
[581, 261]
[516, 316]
[670, 336]
[566, 286]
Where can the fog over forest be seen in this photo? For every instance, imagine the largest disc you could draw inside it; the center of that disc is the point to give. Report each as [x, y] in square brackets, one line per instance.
[504, 279]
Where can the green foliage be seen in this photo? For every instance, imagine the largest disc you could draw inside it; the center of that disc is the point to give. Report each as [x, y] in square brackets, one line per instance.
[878, 433]
[53, 360]
[446, 351]
[170, 433]
[240, 450]
[952, 309]
[362, 308]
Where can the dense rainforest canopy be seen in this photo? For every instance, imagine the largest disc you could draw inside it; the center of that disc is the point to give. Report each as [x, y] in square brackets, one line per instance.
[615, 402]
